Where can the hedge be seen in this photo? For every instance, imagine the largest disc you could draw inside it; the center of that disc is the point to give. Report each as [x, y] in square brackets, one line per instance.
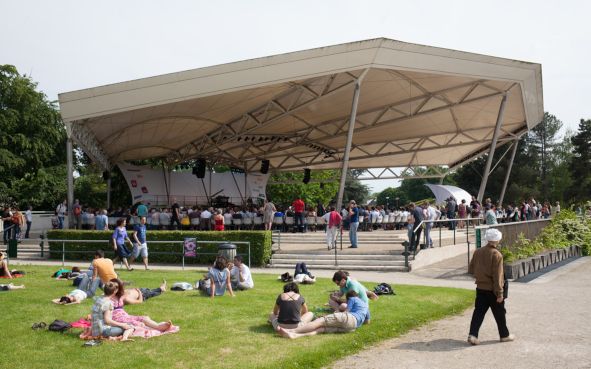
[260, 245]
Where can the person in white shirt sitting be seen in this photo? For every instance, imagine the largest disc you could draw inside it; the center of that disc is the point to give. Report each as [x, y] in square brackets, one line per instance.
[240, 275]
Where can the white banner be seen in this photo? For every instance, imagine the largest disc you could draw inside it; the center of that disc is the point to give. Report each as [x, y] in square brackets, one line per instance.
[150, 185]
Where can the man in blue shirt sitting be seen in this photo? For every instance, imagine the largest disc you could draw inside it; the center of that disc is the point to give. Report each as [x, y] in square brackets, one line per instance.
[350, 317]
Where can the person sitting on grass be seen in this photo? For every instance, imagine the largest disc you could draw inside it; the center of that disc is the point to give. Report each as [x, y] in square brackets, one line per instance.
[121, 316]
[240, 275]
[102, 323]
[350, 317]
[133, 296]
[5, 272]
[346, 284]
[119, 238]
[219, 279]
[290, 310]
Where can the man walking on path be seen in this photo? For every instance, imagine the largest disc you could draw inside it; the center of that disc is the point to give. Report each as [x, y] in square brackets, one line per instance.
[61, 210]
[333, 222]
[487, 268]
[417, 214]
[140, 246]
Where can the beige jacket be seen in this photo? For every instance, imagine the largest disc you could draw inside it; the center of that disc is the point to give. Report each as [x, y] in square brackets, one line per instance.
[487, 268]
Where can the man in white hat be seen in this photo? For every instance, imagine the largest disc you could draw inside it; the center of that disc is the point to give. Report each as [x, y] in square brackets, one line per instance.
[487, 268]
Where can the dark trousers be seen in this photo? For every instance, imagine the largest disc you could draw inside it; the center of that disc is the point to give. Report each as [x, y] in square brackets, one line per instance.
[485, 300]
[416, 238]
[452, 224]
[299, 222]
[148, 293]
[7, 234]
[301, 268]
[174, 223]
[28, 229]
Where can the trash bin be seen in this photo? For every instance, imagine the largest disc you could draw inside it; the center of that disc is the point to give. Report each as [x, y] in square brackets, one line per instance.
[12, 248]
[228, 250]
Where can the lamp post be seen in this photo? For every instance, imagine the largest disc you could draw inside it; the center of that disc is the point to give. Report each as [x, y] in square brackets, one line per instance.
[387, 198]
[397, 205]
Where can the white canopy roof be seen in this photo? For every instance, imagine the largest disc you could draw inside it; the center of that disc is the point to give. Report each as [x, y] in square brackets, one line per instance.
[418, 106]
[443, 192]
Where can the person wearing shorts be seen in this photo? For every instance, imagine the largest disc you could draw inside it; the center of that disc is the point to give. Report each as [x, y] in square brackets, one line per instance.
[352, 315]
[140, 246]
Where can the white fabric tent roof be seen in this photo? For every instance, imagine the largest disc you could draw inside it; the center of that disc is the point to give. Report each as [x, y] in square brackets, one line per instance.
[418, 106]
[443, 192]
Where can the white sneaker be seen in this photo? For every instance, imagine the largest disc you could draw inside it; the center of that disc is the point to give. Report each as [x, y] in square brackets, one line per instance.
[473, 340]
[509, 338]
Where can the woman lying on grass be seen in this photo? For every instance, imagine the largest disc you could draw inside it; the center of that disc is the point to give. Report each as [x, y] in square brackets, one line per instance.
[351, 316]
[290, 310]
[78, 295]
[121, 316]
[138, 295]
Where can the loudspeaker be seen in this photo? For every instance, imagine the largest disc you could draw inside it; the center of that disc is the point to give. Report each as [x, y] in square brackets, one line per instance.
[306, 175]
[199, 168]
[264, 166]
[106, 175]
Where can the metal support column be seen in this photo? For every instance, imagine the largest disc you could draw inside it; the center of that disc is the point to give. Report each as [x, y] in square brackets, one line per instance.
[515, 144]
[352, 119]
[108, 193]
[493, 146]
[70, 170]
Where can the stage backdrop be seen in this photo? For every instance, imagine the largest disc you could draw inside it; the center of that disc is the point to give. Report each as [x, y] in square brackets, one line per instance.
[150, 185]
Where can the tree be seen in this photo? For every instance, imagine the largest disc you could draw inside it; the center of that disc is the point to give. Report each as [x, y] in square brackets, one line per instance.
[283, 194]
[32, 141]
[580, 164]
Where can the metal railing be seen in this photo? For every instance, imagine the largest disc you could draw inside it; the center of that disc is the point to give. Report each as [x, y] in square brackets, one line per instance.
[173, 253]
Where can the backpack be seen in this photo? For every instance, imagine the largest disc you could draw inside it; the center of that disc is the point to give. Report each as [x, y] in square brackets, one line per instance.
[383, 289]
[59, 326]
[286, 277]
[181, 286]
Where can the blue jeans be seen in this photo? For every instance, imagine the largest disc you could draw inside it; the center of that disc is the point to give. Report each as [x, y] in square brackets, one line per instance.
[60, 221]
[428, 240]
[299, 222]
[88, 285]
[353, 233]
[409, 229]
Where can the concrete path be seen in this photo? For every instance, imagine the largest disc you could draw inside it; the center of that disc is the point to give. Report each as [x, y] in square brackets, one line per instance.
[549, 316]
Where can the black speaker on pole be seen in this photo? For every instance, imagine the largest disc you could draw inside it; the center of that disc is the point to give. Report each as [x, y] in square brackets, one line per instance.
[106, 175]
[264, 166]
[199, 168]
[306, 176]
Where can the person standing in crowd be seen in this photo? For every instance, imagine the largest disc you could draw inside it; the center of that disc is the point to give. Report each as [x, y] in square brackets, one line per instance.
[557, 208]
[487, 268]
[462, 213]
[268, 214]
[417, 214]
[7, 220]
[298, 209]
[491, 215]
[77, 211]
[142, 210]
[18, 221]
[218, 220]
[353, 223]
[430, 214]
[333, 221]
[62, 211]
[119, 238]
[28, 219]
[101, 221]
[450, 209]
[175, 219]
[140, 246]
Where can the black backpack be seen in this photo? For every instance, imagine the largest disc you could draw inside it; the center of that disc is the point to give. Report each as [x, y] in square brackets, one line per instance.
[59, 326]
[383, 289]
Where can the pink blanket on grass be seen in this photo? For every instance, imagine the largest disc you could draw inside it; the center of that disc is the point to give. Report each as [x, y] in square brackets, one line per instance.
[140, 331]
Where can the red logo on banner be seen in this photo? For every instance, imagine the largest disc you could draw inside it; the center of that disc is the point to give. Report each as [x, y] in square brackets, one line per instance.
[144, 189]
[133, 183]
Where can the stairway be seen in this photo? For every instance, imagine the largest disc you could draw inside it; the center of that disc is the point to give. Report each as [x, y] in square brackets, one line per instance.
[377, 251]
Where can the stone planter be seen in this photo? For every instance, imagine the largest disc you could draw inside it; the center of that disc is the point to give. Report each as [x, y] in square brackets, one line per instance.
[523, 267]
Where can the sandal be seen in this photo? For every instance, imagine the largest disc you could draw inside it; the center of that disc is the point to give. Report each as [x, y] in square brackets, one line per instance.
[40, 325]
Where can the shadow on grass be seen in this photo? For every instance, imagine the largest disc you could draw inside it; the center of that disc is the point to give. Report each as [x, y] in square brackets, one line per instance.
[261, 328]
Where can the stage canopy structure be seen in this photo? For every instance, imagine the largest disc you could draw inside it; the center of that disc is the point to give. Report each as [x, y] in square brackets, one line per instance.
[444, 192]
[377, 103]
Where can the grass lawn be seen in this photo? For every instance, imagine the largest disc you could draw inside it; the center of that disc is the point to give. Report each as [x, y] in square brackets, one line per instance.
[221, 333]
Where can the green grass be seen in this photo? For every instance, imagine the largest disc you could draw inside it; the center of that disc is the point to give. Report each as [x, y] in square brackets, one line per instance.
[221, 333]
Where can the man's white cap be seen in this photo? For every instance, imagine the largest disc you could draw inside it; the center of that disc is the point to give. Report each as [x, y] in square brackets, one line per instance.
[493, 234]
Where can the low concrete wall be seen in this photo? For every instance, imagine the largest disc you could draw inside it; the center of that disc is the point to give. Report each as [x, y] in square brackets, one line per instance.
[523, 267]
[436, 254]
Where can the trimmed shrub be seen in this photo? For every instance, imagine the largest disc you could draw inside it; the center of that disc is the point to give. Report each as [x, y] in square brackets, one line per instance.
[260, 245]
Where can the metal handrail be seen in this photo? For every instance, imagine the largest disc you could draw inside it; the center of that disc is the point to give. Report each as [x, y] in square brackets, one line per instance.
[182, 254]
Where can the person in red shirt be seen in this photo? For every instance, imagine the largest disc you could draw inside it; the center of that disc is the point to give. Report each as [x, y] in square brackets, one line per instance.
[298, 208]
